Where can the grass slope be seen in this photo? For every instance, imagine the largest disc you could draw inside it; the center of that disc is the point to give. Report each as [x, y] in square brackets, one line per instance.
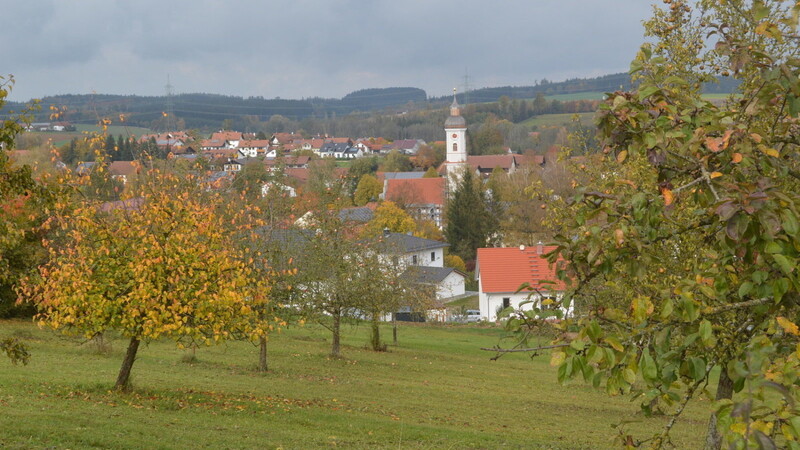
[435, 390]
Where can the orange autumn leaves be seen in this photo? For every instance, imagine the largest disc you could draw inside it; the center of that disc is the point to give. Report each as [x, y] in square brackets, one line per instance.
[168, 267]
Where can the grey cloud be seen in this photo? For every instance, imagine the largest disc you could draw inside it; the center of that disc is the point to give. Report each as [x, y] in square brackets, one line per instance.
[305, 48]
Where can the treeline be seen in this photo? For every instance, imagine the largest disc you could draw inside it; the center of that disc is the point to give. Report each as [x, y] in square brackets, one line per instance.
[212, 111]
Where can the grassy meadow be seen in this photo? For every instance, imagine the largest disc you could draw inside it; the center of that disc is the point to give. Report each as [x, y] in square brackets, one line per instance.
[436, 389]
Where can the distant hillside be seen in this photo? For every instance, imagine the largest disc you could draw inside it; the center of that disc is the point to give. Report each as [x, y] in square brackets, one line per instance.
[208, 111]
[605, 83]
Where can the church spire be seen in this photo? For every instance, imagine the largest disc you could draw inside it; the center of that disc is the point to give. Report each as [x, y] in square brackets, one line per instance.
[455, 110]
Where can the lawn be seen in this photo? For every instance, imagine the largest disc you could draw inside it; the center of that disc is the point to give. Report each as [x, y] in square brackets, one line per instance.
[59, 138]
[437, 389]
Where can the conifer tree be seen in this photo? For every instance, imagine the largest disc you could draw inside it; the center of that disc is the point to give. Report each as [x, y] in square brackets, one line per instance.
[469, 222]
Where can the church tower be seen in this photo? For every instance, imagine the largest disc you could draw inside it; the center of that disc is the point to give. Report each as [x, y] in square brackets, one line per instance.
[456, 129]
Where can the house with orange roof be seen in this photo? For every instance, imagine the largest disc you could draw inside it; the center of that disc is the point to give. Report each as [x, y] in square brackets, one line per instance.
[251, 148]
[124, 171]
[424, 198]
[502, 271]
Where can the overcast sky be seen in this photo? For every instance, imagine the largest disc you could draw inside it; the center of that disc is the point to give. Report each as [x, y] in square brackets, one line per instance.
[309, 48]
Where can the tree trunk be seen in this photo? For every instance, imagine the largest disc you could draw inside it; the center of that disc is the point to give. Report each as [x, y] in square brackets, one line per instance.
[724, 391]
[394, 328]
[262, 356]
[127, 364]
[335, 344]
[376, 333]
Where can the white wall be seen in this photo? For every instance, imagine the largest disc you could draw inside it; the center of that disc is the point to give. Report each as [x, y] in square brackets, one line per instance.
[424, 258]
[490, 303]
[451, 286]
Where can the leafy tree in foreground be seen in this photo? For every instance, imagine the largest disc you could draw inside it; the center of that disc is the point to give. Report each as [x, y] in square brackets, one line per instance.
[23, 201]
[157, 264]
[695, 225]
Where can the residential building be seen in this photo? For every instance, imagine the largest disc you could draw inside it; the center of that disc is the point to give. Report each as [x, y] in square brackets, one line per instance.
[501, 272]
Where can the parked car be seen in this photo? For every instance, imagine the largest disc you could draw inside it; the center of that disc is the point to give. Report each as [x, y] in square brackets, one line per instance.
[473, 315]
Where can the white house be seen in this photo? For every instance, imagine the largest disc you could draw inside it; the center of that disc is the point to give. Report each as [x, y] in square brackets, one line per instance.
[502, 271]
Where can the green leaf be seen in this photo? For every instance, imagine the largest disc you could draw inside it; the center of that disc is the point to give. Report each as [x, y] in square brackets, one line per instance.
[666, 309]
[705, 332]
[577, 344]
[593, 331]
[648, 367]
[698, 368]
[614, 343]
[789, 222]
[745, 288]
[784, 263]
[647, 91]
[629, 375]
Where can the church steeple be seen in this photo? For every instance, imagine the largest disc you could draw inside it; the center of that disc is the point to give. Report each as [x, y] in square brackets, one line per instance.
[455, 128]
[455, 110]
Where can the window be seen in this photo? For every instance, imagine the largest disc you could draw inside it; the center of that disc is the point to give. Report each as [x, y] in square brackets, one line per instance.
[455, 147]
[433, 256]
[506, 302]
[414, 259]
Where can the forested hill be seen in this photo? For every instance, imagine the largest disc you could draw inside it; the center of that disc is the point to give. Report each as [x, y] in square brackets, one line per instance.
[210, 110]
[605, 83]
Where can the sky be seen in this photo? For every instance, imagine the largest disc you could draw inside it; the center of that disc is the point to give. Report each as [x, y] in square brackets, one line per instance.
[310, 48]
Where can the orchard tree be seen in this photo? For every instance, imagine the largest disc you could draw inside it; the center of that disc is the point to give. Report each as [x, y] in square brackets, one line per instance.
[156, 264]
[23, 205]
[695, 226]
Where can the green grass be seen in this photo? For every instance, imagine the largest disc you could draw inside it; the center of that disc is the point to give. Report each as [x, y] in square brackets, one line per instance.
[465, 303]
[437, 389]
[559, 120]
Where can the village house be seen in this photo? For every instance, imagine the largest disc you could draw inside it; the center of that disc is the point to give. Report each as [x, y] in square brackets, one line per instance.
[502, 271]
[124, 171]
[407, 146]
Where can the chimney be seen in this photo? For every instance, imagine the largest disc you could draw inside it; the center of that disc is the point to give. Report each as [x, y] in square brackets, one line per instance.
[539, 247]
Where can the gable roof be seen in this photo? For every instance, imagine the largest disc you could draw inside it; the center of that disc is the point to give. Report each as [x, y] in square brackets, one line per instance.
[362, 214]
[123, 168]
[400, 175]
[489, 162]
[429, 275]
[418, 191]
[506, 269]
[408, 243]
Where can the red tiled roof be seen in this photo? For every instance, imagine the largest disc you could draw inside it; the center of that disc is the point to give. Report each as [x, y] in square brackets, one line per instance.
[123, 168]
[420, 191]
[300, 175]
[506, 269]
[226, 136]
[285, 138]
[491, 161]
[255, 143]
[338, 140]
